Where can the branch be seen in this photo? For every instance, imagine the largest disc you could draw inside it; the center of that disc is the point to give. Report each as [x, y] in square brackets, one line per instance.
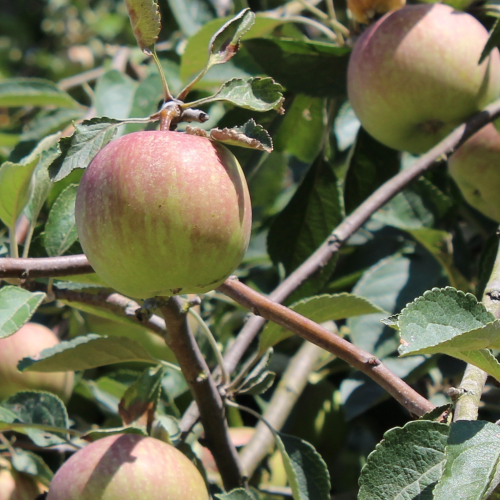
[311, 331]
[46, 267]
[285, 397]
[474, 379]
[195, 370]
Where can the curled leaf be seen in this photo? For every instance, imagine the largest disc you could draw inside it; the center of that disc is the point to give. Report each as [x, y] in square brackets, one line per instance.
[146, 21]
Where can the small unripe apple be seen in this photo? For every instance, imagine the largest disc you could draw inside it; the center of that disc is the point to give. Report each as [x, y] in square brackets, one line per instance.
[128, 467]
[475, 167]
[17, 486]
[413, 76]
[29, 340]
[160, 213]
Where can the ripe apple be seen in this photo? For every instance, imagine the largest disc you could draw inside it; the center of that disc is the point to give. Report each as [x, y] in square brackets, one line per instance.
[413, 75]
[30, 339]
[160, 213]
[475, 167]
[128, 467]
[17, 486]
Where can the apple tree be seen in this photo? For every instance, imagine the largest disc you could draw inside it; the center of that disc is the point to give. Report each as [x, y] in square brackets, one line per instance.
[249, 250]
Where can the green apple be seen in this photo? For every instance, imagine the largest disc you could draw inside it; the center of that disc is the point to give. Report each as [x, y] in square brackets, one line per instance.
[128, 467]
[160, 213]
[475, 167]
[413, 76]
[30, 340]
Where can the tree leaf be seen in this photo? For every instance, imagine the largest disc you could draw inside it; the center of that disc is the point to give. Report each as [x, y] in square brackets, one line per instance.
[17, 306]
[33, 92]
[250, 135]
[114, 94]
[237, 494]
[191, 16]
[292, 62]
[370, 164]
[60, 229]
[15, 182]
[96, 434]
[302, 226]
[320, 308]
[406, 464]
[493, 41]
[88, 351]
[226, 41]
[472, 461]
[138, 405]
[257, 94]
[38, 408]
[78, 151]
[145, 20]
[306, 471]
[32, 464]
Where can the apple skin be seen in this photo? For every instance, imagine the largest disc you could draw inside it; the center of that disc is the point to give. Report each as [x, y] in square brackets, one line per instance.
[413, 75]
[17, 486]
[475, 167]
[30, 339]
[160, 213]
[128, 467]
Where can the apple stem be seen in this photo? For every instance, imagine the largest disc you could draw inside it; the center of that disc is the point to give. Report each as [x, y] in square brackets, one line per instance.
[166, 90]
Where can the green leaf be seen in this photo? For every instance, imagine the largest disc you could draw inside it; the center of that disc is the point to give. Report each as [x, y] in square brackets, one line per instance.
[370, 164]
[36, 409]
[258, 369]
[15, 183]
[89, 351]
[17, 306]
[319, 309]
[292, 62]
[303, 225]
[114, 94]
[33, 92]
[301, 131]
[191, 15]
[406, 464]
[237, 494]
[60, 230]
[138, 405]
[472, 461]
[250, 135]
[306, 471]
[493, 41]
[226, 41]
[96, 434]
[32, 464]
[257, 94]
[78, 151]
[145, 20]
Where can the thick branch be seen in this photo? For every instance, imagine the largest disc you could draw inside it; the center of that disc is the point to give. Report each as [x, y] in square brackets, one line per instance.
[285, 397]
[311, 331]
[46, 267]
[183, 344]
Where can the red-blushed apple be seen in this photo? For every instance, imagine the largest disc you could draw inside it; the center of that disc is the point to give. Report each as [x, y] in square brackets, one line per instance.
[160, 213]
[17, 486]
[413, 76]
[29, 340]
[128, 467]
[475, 167]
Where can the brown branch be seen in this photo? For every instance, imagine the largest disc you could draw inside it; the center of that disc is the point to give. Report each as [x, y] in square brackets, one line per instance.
[311, 331]
[284, 398]
[45, 267]
[194, 368]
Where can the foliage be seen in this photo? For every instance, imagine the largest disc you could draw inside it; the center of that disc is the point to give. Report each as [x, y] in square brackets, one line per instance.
[271, 85]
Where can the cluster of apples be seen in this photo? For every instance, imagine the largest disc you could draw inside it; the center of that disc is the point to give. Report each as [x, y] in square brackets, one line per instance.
[414, 76]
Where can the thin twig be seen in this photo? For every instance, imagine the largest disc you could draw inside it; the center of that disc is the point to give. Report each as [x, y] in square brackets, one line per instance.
[291, 386]
[183, 344]
[311, 331]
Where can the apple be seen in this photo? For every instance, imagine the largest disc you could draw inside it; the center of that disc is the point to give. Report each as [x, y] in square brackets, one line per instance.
[160, 213]
[17, 486]
[475, 167]
[29, 340]
[128, 467]
[413, 76]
